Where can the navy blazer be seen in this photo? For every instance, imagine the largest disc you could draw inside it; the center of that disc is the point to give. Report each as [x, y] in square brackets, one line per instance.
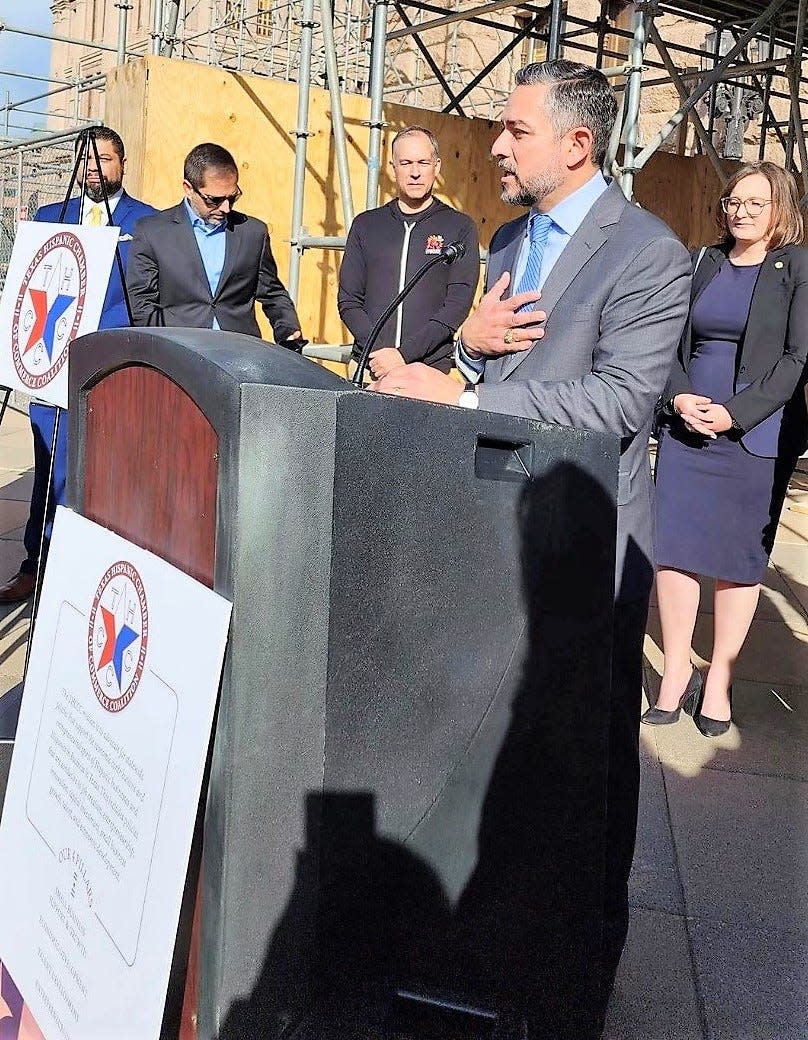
[769, 399]
[125, 215]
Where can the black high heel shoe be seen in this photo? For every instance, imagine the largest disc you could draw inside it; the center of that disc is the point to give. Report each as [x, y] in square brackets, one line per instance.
[658, 717]
[713, 727]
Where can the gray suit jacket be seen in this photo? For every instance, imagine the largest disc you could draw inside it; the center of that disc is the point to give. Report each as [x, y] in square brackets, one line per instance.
[616, 303]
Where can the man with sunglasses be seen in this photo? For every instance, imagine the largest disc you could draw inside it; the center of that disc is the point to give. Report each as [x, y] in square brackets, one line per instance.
[204, 265]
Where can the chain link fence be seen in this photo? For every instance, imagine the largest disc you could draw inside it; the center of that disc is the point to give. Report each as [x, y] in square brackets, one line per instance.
[32, 174]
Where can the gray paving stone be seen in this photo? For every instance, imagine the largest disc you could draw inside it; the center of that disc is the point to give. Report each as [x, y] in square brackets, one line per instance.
[766, 738]
[13, 644]
[791, 562]
[12, 553]
[793, 526]
[772, 653]
[16, 485]
[792, 559]
[655, 996]
[654, 883]
[742, 847]
[753, 983]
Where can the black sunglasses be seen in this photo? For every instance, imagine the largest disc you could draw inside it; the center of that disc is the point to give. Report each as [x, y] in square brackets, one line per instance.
[216, 200]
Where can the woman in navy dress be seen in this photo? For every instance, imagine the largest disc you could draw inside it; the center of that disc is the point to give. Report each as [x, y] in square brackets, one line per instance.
[735, 425]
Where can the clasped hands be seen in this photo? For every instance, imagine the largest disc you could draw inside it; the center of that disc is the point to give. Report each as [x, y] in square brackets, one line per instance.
[495, 328]
[700, 415]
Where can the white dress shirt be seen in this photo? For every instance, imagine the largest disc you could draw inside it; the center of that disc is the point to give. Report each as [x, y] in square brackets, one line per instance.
[87, 218]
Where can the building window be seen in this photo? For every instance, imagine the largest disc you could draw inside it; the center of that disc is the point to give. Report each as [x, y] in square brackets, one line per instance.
[532, 49]
[263, 24]
[232, 12]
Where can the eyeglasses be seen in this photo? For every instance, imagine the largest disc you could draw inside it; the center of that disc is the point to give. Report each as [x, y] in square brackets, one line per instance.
[753, 207]
[214, 201]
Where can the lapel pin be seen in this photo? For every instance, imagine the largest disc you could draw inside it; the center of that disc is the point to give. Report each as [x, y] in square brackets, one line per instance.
[778, 264]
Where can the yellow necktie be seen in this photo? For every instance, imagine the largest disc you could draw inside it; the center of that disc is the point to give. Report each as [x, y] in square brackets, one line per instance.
[95, 215]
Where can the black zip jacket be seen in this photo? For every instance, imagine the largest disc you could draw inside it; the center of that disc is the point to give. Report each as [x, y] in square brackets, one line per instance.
[385, 248]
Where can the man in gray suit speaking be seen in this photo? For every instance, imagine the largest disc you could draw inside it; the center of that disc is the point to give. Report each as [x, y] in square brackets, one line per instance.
[614, 286]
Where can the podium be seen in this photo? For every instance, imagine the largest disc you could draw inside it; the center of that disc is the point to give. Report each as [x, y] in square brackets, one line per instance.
[405, 797]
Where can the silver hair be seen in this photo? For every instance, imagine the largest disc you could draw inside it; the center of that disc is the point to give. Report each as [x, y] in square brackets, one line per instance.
[579, 96]
[409, 130]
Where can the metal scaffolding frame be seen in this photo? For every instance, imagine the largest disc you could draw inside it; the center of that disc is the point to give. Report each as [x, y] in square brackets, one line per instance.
[560, 34]
[361, 46]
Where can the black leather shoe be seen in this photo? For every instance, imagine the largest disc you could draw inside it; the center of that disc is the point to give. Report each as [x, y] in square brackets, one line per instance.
[659, 717]
[18, 588]
[713, 727]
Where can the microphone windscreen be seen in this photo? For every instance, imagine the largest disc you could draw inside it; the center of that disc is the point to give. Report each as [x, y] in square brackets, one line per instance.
[454, 251]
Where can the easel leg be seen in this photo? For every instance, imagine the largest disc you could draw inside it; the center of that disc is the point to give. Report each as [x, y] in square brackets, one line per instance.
[40, 564]
[4, 405]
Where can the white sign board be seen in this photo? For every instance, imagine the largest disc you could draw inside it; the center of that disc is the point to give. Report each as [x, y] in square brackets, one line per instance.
[105, 781]
[54, 292]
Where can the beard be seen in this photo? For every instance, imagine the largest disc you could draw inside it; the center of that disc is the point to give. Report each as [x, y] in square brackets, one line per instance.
[533, 189]
[96, 192]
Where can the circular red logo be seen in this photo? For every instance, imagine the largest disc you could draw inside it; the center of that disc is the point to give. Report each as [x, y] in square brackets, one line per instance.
[118, 636]
[48, 309]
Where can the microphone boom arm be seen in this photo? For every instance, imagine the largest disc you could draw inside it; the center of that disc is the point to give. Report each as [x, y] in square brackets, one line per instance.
[444, 257]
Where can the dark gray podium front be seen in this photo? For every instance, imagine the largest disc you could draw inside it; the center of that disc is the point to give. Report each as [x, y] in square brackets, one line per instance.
[406, 787]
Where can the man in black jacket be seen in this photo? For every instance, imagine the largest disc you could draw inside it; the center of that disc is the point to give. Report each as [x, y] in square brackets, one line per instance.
[202, 264]
[386, 246]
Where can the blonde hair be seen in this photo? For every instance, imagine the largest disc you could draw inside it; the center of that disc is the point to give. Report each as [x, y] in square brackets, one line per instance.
[786, 223]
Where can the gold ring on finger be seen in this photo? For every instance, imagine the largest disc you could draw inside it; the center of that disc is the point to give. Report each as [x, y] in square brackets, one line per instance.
[508, 337]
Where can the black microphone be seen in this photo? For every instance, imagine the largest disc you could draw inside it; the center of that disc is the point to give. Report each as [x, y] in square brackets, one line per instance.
[447, 255]
[454, 251]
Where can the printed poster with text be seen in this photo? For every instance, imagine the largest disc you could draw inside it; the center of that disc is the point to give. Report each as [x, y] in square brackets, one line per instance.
[105, 781]
[53, 293]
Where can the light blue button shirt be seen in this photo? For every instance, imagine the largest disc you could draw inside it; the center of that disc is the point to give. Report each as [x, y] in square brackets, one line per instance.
[211, 241]
[567, 216]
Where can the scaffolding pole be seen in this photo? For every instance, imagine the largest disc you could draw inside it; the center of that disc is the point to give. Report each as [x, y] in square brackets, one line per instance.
[337, 115]
[376, 122]
[302, 135]
[157, 25]
[554, 41]
[633, 92]
[795, 73]
[169, 31]
[123, 10]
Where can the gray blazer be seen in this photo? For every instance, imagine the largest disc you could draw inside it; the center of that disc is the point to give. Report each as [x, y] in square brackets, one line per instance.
[616, 303]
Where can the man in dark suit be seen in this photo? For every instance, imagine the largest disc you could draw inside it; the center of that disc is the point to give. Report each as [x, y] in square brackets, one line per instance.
[91, 211]
[614, 286]
[203, 265]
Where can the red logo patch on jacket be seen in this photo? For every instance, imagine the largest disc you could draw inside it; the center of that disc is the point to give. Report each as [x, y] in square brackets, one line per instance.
[434, 244]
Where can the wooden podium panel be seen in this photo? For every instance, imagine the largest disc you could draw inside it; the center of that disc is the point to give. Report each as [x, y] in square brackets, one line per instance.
[138, 418]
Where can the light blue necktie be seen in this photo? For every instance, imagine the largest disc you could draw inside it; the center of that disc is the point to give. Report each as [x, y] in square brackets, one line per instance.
[538, 229]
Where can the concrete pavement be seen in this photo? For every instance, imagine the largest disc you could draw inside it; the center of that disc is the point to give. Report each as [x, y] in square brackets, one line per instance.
[718, 948]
